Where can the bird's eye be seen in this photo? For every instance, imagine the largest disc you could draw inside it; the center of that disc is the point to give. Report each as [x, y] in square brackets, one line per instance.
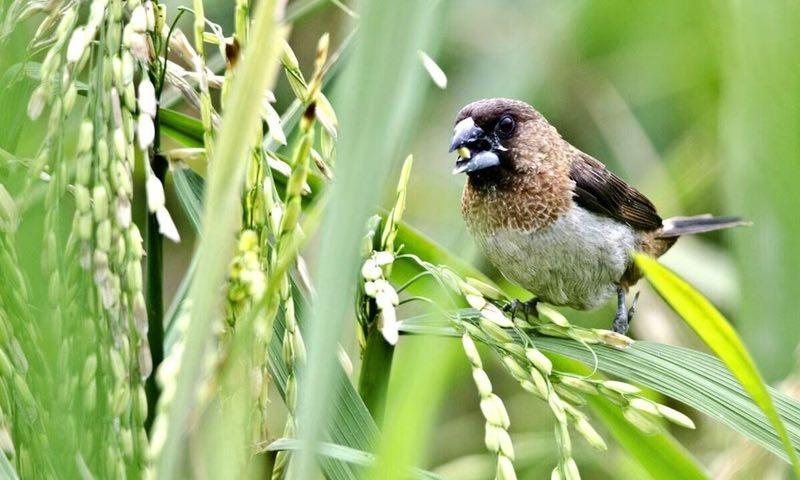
[506, 125]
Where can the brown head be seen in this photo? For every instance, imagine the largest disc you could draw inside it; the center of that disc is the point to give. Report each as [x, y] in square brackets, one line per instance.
[517, 165]
[498, 139]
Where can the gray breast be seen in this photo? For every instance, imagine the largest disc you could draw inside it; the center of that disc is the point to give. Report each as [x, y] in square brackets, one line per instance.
[575, 261]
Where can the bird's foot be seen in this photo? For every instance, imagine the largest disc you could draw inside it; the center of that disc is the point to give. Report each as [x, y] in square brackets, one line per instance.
[632, 308]
[527, 308]
[624, 316]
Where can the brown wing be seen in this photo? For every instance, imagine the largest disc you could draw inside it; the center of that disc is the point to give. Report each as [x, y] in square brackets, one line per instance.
[600, 191]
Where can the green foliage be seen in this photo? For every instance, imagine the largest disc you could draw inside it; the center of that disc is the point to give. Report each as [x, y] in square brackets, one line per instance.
[245, 318]
[718, 334]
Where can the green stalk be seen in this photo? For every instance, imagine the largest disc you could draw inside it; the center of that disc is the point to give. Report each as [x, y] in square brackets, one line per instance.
[375, 369]
[226, 176]
[154, 294]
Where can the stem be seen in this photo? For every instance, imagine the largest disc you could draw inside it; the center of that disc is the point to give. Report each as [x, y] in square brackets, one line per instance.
[375, 369]
[154, 296]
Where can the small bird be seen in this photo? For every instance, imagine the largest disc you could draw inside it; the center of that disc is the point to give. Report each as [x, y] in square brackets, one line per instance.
[553, 219]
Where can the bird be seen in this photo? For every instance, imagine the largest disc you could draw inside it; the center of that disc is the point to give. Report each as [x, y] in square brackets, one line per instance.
[553, 219]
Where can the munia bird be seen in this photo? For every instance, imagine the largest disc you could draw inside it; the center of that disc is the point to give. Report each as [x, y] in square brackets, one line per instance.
[553, 219]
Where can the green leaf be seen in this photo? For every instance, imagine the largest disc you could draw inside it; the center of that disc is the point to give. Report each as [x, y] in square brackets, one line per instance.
[693, 378]
[350, 423]
[717, 333]
[377, 99]
[181, 127]
[189, 190]
[342, 453]
[660, 454]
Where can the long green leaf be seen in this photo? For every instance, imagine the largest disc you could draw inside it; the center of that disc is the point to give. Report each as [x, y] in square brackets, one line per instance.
[717, 333]
[189, 190]
[181, 127]
[688, 376]
[376, 101]
[659, 453]
[758, 108]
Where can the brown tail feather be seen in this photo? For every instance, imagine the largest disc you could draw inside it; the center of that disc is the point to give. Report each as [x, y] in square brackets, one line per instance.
[677, 226]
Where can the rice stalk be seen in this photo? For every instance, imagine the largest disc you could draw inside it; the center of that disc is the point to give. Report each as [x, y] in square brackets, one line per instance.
[226, 174]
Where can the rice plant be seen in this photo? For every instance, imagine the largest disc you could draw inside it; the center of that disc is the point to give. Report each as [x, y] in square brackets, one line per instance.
[314, 332]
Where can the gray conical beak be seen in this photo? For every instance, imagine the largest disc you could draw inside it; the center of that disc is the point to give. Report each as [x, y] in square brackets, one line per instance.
[479, 161]
[474, 148]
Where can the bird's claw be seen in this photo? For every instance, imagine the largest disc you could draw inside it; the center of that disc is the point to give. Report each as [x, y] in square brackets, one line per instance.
[624, 316]
[632, 308]
[527, 308]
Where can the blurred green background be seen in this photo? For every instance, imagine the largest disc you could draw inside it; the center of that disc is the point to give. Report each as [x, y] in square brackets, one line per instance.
[696, 103]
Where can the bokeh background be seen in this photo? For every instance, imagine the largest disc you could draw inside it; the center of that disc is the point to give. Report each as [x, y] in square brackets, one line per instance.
[696, 103]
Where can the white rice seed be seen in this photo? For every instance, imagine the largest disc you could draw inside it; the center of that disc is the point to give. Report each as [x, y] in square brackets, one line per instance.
[387, 322]
[475, 301]
[436, 73]
[491, 437]
[138, 20]
[494, 314]
[471, 350]
[590, 434]
[147, 97]
[482, 382]
[166, 226]
[675, 416]
[146, 131]
[155, 193]
[621, 387]
[539, 360]
[645, 406]
[505, 469]
[371, 270]
[494, 411]
[571, 470]
[77, 45]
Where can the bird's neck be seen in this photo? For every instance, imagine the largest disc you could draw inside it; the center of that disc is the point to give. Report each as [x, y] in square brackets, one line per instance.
[525, 201]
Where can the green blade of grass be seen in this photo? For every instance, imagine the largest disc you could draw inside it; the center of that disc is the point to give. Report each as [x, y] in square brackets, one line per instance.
[419, 383]
[376, 100]
[181, 127]
[717, 333]
[693, 378]
[189, 190]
